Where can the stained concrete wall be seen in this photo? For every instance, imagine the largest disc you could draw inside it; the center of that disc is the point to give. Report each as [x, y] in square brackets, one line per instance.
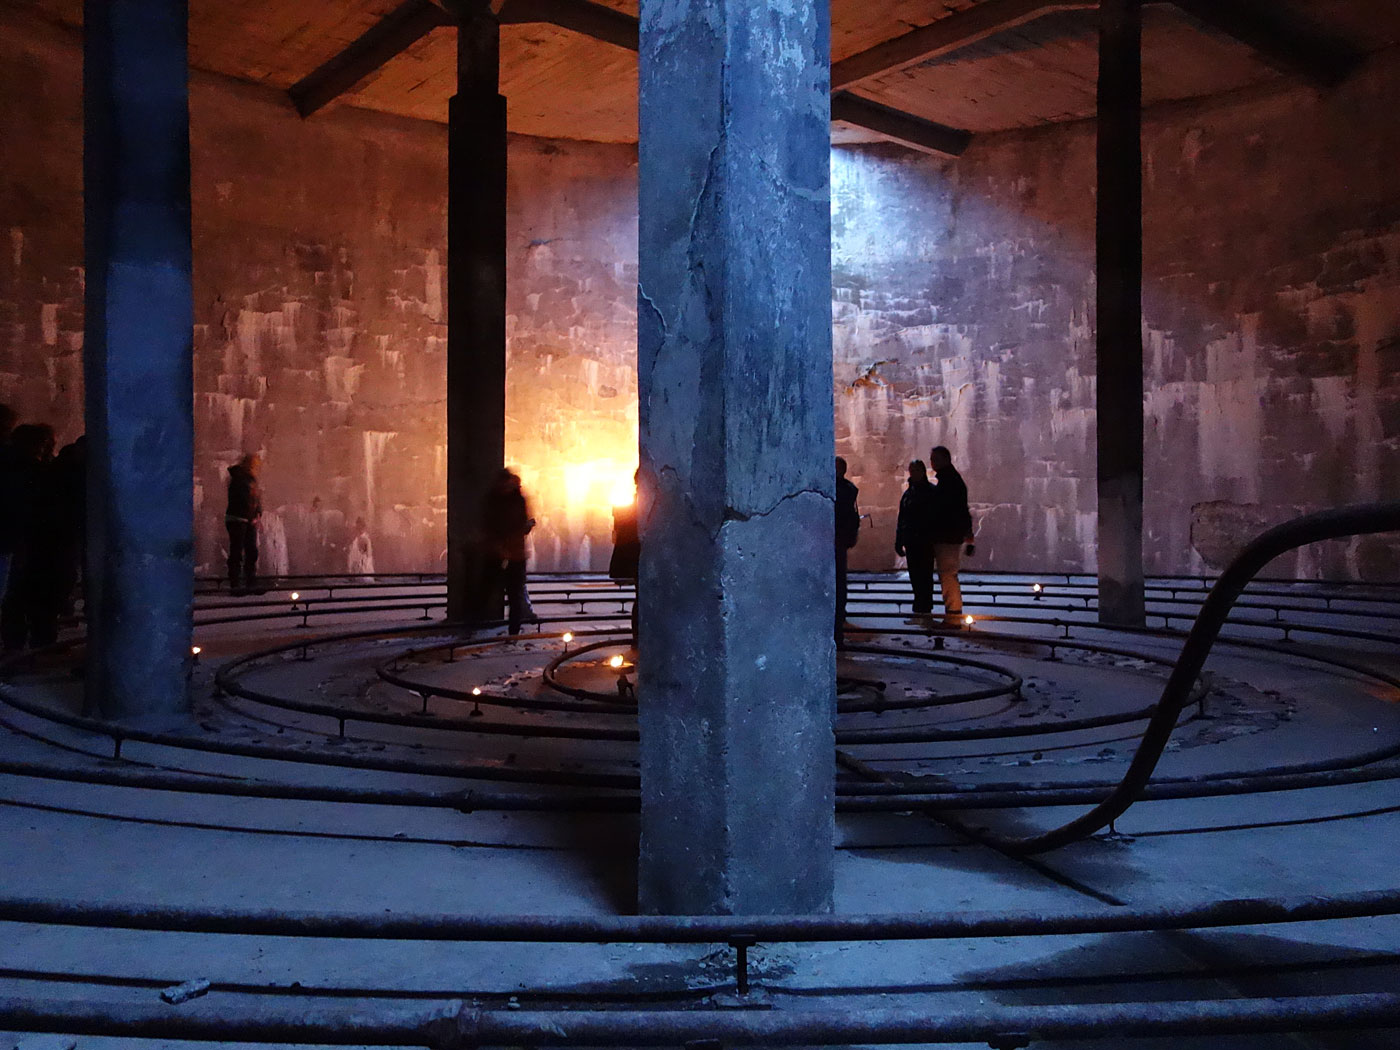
[963, 305]
[320, 324]
[962, 301]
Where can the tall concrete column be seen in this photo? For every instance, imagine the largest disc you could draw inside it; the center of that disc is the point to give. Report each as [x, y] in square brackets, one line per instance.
[137, 356]
[737, 688]
[1119, 341]
[476, 299]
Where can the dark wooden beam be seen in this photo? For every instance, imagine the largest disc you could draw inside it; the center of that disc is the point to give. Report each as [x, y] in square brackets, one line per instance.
[904, 128]
[1284, 39]
[397, 31]
[946, 35]
[579, 16]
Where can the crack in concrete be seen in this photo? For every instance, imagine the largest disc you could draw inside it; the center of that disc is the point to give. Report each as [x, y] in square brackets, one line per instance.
[732, 514]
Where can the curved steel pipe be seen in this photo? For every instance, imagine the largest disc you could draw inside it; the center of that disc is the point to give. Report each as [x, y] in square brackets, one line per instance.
[1310, 528]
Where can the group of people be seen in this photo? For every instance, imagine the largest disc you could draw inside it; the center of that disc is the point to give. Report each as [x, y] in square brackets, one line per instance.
[42, 513]
[933, 533]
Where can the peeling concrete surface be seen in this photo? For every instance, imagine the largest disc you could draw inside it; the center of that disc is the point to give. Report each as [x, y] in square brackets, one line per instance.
[962, 305]
[320, 322]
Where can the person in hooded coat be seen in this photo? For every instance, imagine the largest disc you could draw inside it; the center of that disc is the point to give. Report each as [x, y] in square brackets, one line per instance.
[241, 520]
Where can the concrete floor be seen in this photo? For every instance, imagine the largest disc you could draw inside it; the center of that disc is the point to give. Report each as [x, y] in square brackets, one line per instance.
[97, 843]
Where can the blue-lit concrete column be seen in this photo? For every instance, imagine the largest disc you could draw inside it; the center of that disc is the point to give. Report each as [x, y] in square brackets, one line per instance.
[738, 680]
[137, 356]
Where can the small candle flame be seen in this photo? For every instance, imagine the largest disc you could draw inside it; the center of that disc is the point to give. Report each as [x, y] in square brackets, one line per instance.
[296, 596]
[195, 650]
[615, 662]
[568, 636]
[1036, 587]
[967, 620]
[476, 690]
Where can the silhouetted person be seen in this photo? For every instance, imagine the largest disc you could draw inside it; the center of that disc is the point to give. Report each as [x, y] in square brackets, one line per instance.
[28, 509]
[8, 536]
[913, 538]
[847, 533]
[58, 526]
[241, 520]
[627, 548]
[505, 523]
[952, 531]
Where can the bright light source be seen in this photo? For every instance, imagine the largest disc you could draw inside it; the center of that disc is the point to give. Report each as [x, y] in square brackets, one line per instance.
[967, 621]
[195, 650]
[476, 690]
[615, 662]
[591, 482]
[296, 596]
[624, 492]
[1037, 588]
[568, 637]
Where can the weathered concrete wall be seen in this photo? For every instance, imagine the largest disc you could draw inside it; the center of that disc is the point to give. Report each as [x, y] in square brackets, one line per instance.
[964, 316]
[320, 324]
[963, 306]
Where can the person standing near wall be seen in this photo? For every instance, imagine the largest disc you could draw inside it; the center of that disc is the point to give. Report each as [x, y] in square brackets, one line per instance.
[505, 523]
[28, 479]
[913, 538]
[847, 533]
[627, 548]
[8, 536]
[952, 531]
[241, 520]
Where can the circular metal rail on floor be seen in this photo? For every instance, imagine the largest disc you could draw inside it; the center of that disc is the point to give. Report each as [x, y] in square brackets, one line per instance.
[1041, 638]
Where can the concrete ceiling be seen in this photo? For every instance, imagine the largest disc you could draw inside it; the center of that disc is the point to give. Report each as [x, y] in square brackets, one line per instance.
[560, 83]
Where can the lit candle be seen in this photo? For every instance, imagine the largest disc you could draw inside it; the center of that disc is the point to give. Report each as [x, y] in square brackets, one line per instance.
[296, 597]
[568, 637]
[615, 663]
[1036, 587]
[967, 621]
[195, 650]
[476, 690]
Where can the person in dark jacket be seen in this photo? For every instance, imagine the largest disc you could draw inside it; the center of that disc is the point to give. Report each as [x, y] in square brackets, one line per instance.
[241, 520]
[28, 506]
[54, 547]
[627, 547]
[505, 523]
[952, 531]
[8, 419]
[847, 533]
[913, 537]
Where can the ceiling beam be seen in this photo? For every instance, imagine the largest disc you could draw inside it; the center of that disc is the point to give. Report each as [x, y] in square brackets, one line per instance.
[948, 34]
[397, 31]
[904, 128]
[603, 23]
[580, 16]
[1282, 38]
[415, 19]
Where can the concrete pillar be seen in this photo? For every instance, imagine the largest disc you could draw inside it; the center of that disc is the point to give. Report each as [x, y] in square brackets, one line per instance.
[476, 300]
[1119, 341]
[137, 356]
[737, 689]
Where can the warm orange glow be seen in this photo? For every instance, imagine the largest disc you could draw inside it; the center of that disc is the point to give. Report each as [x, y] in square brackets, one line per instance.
[599, 483]
[296, 597]
[195, 650]
[968, 620]
[476, 690]
[615, 662]
[568, 637]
